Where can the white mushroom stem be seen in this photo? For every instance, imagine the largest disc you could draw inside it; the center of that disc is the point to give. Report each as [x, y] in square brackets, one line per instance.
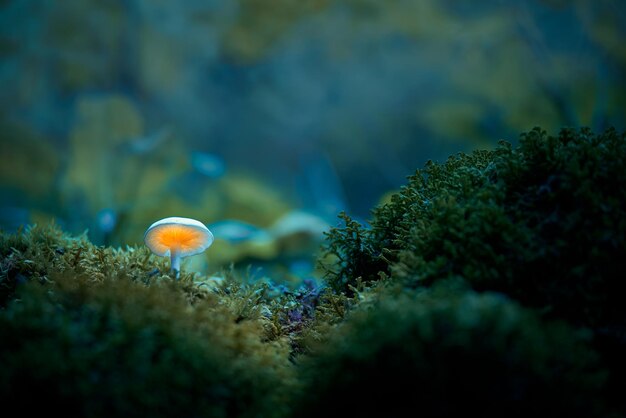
[175, 257]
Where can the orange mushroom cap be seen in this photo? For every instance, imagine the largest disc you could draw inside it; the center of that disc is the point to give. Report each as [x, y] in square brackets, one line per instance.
[184, 236]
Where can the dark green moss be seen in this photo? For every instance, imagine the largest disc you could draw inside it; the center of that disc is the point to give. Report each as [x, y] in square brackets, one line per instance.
[38, 252]
[119, 348]
[447, 355]
[98, 331]
[543, 223]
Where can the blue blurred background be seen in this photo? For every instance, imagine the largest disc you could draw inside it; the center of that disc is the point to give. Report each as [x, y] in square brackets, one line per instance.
[264, 119]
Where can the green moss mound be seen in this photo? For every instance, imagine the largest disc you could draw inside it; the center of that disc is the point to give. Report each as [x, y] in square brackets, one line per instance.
[448, 356]
[119, 348]
[543, 223]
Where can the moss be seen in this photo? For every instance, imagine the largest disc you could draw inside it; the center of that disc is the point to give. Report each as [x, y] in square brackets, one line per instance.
[38, 252]
[120, 348]
[440, 354]
[543, 223]
[100, 331]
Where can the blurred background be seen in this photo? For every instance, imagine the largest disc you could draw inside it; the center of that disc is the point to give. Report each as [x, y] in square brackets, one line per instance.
[265, 118]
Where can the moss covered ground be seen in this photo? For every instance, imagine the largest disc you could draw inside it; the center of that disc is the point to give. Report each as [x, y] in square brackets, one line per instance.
[489, 285]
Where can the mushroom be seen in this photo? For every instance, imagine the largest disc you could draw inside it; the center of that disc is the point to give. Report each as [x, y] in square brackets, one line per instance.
[178, 238]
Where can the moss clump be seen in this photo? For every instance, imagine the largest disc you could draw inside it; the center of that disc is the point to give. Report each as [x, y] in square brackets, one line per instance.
[543, 223]
[447, 355]
[120, 348]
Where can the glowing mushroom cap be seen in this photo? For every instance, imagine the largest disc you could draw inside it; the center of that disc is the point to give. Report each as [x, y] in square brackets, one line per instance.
[183, 236]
